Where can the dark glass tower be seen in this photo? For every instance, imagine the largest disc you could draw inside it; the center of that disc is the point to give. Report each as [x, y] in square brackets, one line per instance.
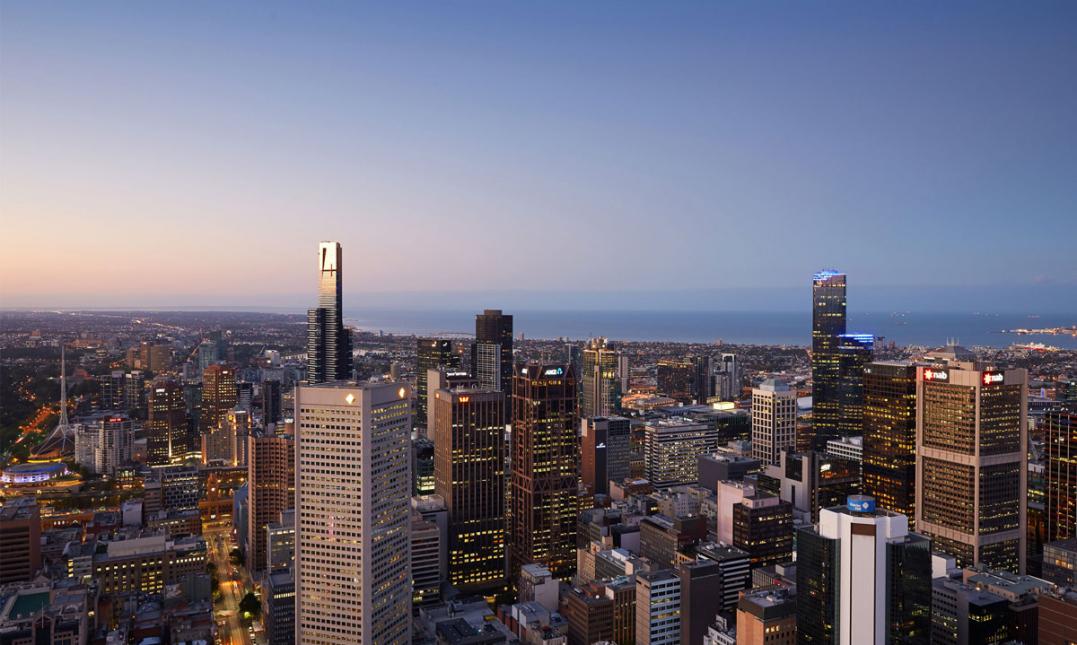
[430, 353]
[329, 346]
[854, 352]
[545, 470]
[889, 467]
[1061, 477]
[828, 325]
[166, 428]
[493, 328]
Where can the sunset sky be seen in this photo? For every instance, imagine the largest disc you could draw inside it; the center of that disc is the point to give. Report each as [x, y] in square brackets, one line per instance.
[195, 153]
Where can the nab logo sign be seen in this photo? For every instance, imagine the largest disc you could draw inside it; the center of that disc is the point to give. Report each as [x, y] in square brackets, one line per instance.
[993, 377]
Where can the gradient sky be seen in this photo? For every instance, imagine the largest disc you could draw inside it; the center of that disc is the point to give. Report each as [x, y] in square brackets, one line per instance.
[195, 153]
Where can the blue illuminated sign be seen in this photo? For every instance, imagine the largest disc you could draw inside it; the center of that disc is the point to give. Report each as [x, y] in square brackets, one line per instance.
[860, 503]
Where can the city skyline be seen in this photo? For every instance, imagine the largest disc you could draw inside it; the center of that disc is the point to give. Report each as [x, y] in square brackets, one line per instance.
[713, 140]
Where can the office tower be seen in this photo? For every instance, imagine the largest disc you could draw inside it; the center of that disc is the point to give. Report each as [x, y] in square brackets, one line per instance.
[854, 352]
[701, 598]
[353, 577]
[469, 474]
[675, 379]
[828, 324]
[219, 395]
[589, 613]
[658, 608]
[763, 527]
[545, 468]
[422, 465]
[154, 357]
[493, 365]
[166, 427]
[812, 481]
[20, 540]
[280, 542]
[863, 578]
[767, 616]
[662, 538]
[774, 420]
[426, 561]
[1060, 439]
[271, 398]
[279, 612]
[889, 440]
[329, 343]
[702, 378]
[601, 380]
[971, 438]
[734, 570]
[606, 452]
[267, 491]
[442, 377]
[963, 614]
[430, 353]
[672, 448]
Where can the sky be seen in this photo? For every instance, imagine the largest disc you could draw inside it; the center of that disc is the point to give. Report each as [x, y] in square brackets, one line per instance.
[159, 154]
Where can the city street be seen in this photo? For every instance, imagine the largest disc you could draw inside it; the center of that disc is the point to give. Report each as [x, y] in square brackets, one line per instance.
[234, 583]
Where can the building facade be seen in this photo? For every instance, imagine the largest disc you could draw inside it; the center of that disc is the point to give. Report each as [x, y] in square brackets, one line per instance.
[601, 379]
[353, 573]
[889, 441]
[828, 324]
[329, 345]
[774, 420]
[1060, 477]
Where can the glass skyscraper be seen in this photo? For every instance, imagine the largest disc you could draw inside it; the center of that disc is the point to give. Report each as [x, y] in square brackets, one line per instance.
[329, 346]
[828, 325]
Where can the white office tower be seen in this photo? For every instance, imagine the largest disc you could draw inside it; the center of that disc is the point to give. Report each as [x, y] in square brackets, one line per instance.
[774, 421]
[863, 567]
[353, 497]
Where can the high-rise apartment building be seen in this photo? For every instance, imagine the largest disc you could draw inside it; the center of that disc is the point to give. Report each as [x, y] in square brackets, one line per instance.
[166, 426]
[727, 378]
[828, 325]
[267, 491]
[469, 474]
[430, 353]
[492, 352]
[672, 447]
[1060, 478]
[606, 444]
[353, 578]
[971, 462]
[774, 420]
[863, 578]
[889, 439]
[545, 469]
[329, 344]
[601, 379]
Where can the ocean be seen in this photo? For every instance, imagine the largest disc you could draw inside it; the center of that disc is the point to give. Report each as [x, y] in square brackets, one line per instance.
[770, 328]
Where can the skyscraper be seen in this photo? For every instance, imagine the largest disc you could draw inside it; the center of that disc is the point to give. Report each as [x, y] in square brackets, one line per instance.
[430, 353]
[1060, 436]
[271, 399]
[219, 395]
[601, 380]
[727, 379]
[863, 578]
[774, 420]
[828, 324]
[267, 491]
[676, 379]
[166, 427]
[493, 327]
[672, 448]
[545, 469]
[889, 462]
[606, 452]
[329, 345]
[353, 577]
[469, 474]
[971, 463]
[854, 352]
[703, 380]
